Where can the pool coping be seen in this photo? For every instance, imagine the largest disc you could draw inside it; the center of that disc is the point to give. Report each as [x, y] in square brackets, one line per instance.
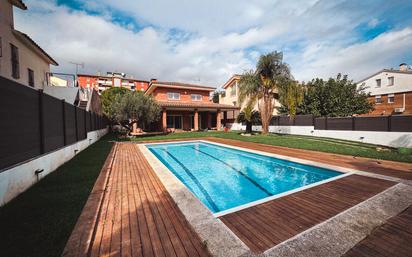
[220, 240]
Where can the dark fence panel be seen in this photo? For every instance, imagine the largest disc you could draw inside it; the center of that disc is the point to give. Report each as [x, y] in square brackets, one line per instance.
[92, 122]
[81, 132]
[52, 123]
[304, 120]
[285, 121]
[320, 123]
[371, 123]
[34, 123]
[19, 126]
[339, 123]
[401, 123]
[274, 121]
[88, 122]
[70, 123]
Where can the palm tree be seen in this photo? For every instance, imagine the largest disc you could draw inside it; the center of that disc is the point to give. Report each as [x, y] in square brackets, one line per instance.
[250, 117]
[261, 86]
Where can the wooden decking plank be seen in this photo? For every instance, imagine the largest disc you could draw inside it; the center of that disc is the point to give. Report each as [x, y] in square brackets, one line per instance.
[136, 242]
[108, 224]
[115, 244]
[188, 240]
[98, 238]
[126, 248]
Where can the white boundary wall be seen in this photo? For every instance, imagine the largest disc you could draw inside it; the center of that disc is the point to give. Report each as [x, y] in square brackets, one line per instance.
[20, 177]
[393, 139]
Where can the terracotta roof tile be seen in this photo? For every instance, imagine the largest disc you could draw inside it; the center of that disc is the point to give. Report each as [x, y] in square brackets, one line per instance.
[196, 105]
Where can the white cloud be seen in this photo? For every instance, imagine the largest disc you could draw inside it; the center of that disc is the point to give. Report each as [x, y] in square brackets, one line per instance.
[356, 60]
[214, 39]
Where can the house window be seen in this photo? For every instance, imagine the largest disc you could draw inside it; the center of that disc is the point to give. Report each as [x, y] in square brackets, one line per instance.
[378, 99]
[233, 90]
[15, 66]
[196, 97]
[391, 98]
[391, 80]
[173, 96]
[378, 82]
[31, 77]
[174, 121]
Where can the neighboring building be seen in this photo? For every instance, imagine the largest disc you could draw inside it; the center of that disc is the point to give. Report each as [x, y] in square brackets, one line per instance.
[230, 97]
[390, 90]
[21, 59]
[112, 79]
[187, 106]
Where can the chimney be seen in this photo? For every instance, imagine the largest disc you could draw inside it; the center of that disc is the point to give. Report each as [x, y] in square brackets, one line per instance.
[153, 80]
[403, 67]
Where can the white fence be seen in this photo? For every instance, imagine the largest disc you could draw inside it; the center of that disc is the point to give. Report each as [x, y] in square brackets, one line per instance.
[393, 139]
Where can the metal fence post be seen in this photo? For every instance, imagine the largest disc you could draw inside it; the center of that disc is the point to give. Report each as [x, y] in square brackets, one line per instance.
[41, 121]
[75, 123]
[390, 123]
[353, 122]
[64, 122]
[85, 126]
[90, 121]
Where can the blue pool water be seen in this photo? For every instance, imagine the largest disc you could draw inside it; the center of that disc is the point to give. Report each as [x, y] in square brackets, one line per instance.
[223, 178]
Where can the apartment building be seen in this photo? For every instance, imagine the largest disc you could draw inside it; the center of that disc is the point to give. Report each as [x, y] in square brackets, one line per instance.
[111, 79]
[21, 59]
[390, 90]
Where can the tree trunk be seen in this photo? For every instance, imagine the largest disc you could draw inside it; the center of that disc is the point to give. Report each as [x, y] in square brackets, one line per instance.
[266, 113]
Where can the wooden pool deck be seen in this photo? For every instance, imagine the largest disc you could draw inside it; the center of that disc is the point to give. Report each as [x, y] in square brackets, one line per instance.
[392, 239]
[130, 213]
[135, 216]
[265, 225]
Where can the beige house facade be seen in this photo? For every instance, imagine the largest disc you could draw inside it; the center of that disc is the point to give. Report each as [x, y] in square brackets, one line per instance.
[231, 94]
[21, 59]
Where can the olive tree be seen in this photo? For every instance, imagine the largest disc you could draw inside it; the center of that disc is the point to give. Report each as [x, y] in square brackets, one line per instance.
[135, 108]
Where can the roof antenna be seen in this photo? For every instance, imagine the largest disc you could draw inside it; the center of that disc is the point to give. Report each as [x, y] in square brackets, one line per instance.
[81, 64]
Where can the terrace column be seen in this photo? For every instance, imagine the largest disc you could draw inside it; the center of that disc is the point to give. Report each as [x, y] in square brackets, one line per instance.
[218, 119]
[196, 120]
[164, 120]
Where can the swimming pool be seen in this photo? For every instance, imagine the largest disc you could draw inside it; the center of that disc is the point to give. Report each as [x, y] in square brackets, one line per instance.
[224, 178]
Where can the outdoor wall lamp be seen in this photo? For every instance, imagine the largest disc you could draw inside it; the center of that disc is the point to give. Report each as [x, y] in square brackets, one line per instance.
[38, 171]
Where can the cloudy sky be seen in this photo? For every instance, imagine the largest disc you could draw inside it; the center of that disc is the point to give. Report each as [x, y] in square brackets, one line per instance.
[206, 42]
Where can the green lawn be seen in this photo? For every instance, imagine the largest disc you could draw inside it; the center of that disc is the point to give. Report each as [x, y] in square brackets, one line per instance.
[301, 142]
[40, 221]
